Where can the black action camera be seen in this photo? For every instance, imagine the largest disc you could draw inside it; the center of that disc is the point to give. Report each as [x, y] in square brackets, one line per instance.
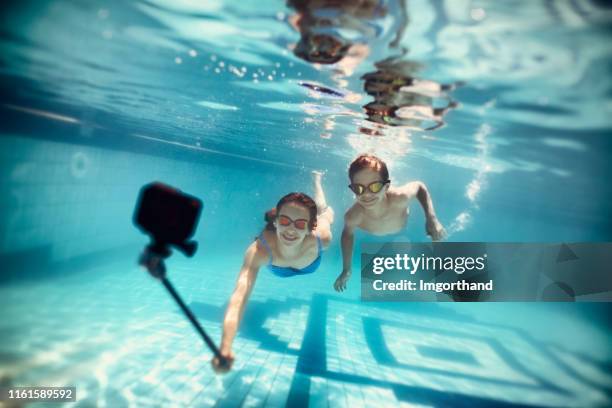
[169, 216]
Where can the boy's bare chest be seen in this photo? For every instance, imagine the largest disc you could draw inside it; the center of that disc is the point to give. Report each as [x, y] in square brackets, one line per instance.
[389, 223]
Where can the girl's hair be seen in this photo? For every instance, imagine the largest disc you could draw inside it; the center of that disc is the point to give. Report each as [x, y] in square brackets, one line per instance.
[368, 161]
[299, 198]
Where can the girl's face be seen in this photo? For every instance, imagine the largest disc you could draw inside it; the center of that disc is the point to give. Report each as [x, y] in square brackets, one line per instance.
[367, 177]
[292, 224]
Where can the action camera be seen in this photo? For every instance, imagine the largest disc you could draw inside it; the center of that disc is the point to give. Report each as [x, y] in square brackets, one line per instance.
[169, 216]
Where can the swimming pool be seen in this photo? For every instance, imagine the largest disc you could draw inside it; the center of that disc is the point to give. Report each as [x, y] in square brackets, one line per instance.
[100, 99]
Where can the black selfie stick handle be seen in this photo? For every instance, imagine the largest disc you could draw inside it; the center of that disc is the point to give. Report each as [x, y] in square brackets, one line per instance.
[193, 321]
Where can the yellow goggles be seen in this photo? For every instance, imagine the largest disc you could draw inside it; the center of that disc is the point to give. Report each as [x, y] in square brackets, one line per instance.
[374, 187]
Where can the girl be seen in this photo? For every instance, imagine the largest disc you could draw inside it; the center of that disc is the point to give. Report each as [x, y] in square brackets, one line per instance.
[292, 242]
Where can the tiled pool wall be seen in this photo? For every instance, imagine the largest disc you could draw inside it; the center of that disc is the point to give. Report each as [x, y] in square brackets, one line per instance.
[64, 201]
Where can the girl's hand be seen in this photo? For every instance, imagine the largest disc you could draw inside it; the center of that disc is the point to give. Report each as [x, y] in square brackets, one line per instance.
[223, 368]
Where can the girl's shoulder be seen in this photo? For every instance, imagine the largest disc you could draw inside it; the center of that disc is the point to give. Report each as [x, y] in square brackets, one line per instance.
[266, 240]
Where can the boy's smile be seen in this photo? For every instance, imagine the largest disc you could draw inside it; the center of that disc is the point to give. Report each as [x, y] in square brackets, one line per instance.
[366, 177]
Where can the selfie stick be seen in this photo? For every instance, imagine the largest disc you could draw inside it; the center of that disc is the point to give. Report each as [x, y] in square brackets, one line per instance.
[163, 251]
[193, 320]
[170, 217]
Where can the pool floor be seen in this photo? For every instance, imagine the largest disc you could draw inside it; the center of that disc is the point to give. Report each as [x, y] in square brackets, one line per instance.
[114, 333]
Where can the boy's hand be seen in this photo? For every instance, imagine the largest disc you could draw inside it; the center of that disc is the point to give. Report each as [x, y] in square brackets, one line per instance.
[223, 368]
[340, 284]
[434, 229]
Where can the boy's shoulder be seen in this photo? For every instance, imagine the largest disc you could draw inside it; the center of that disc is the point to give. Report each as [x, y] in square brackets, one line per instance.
[398, 197]
[353, 215]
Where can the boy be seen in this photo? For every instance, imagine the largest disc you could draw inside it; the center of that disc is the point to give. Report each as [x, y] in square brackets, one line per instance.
[380, 209]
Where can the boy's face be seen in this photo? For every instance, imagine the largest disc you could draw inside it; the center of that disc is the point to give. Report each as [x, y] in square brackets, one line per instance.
[366, 177]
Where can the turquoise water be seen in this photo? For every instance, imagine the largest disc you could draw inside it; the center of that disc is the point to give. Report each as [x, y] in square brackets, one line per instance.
[98, 99]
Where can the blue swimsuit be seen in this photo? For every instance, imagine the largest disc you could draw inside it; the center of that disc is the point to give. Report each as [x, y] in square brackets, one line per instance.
[288, 271]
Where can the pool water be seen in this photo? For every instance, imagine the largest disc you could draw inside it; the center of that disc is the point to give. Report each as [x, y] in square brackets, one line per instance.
[98, 99]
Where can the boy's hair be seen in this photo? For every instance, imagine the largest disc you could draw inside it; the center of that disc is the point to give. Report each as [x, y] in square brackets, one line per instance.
[368, 161]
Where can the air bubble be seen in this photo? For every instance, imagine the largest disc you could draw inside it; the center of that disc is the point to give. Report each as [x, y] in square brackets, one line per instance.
[235, 71]
[478, 14]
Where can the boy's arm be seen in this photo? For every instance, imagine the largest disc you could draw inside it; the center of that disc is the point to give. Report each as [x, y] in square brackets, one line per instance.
[418, 189]
[347, 240]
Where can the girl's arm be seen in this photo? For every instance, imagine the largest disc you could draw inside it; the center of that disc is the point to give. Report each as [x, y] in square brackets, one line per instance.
[254, 257]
